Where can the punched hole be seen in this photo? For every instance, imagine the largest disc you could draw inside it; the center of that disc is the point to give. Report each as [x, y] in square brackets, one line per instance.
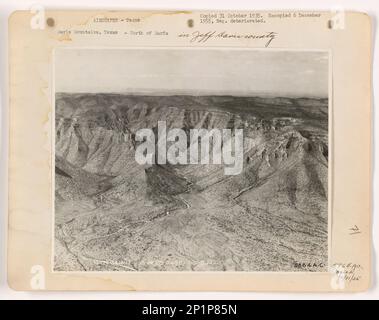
[50, 22]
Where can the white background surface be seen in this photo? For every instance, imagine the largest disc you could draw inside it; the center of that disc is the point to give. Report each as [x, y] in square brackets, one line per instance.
[7, 6]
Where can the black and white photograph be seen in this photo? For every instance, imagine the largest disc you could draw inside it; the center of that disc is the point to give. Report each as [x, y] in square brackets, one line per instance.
[170, 159]
[189, 159]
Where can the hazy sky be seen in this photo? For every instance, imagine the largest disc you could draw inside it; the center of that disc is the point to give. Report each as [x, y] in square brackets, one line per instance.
[192, 71]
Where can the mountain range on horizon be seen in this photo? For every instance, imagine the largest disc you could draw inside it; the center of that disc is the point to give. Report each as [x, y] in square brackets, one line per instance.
[153, 92]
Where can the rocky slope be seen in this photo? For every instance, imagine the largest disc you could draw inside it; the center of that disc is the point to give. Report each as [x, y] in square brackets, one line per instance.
[113, 214]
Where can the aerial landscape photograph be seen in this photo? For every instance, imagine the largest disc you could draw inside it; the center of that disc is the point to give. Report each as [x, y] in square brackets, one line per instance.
[113, 213]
